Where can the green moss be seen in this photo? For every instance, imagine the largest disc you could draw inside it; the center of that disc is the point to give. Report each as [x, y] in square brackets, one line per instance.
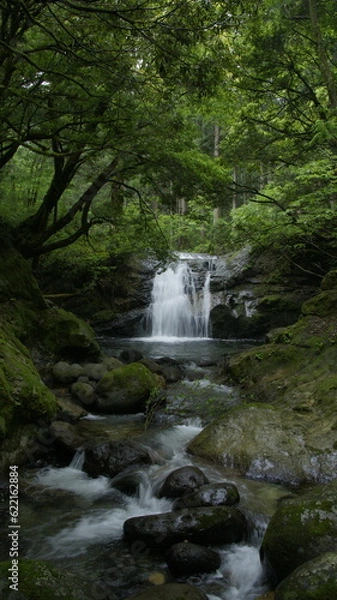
[132, 378]
[64, 334]
[250, 366]
[39, 580]
[23, 396]
[321, 305]
[277, 302]
[301, 529]
[329, 282]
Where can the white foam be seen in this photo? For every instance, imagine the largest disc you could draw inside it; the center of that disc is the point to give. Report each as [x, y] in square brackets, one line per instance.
[73, 480]
[243, 570]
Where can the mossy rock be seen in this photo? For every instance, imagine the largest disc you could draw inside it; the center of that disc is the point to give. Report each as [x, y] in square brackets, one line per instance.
[266, 442]
[322, 305]
[24, 397]
[39, 580]
[269, 362]
[65, 335]
[329, 281]
[314, 580]
[300, 530]
[126, 389]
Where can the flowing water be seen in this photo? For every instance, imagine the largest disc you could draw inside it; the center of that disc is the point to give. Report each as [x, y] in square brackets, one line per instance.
[76, 522]
[181, 299]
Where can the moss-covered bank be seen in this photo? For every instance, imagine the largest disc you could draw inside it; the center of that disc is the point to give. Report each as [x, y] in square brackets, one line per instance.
[286, 428]
[31, 333]
[39, 580]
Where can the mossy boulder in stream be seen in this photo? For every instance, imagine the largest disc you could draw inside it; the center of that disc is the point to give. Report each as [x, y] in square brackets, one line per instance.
[301, 529]
[295, 377]
[126, 389]
[263, 441]
[39, 580]
[314, 580]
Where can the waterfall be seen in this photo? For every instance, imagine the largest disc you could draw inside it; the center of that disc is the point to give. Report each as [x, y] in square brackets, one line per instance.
[181, 301]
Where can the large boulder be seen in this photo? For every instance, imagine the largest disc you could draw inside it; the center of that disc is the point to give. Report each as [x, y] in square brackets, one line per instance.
[314, 580]
[210, 525]
[301, 529]
[126, 389]
[182, 481]
[65, 335]
[170, 591]
[187, 559]
[112, 457]
[263, 441]
[214, 494]
[39, 580]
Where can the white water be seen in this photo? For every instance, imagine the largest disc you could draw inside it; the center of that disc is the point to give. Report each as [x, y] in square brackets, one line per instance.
[94, 525]
[181, 305]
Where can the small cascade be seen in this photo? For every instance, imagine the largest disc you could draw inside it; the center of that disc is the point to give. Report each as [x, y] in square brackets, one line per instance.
[181, 300]
[77, 461]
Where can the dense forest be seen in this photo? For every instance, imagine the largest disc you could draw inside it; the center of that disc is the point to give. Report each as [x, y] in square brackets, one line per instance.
[147, 126]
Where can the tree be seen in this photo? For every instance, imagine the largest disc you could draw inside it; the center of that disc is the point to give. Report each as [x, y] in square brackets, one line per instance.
[282, 81]
[86, 85]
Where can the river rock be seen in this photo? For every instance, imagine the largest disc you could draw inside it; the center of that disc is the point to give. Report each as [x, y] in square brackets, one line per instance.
[210, 525]
[301, 529]
[66, 436]
[263, 441]
[69, 411]
[130, 355]
[95, 371]
[128, 483]
[171, 370]
[112, 363]
[113, 457]
[125, 390]
[39, 580]
[214, 494]
[181, 481]
[314, 580]
[170, 591]
[187, 559]
[166, 367]
[65, 373]
[84, 393]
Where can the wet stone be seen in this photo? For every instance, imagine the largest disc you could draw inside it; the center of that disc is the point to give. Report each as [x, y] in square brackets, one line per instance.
[187, 559]
[182, 481]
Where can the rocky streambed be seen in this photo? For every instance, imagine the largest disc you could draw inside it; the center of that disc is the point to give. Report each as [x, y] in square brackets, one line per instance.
[95, 521]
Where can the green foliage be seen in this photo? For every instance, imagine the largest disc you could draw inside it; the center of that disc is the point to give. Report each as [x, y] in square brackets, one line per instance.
[139, 119]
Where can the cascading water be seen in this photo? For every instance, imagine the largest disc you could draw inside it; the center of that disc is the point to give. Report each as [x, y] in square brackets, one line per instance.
[181, 302]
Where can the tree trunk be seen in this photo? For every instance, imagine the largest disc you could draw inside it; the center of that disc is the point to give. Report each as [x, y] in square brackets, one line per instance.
[217, 212]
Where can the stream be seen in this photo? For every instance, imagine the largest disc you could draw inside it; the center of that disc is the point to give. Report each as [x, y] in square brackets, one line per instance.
[76, 521]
